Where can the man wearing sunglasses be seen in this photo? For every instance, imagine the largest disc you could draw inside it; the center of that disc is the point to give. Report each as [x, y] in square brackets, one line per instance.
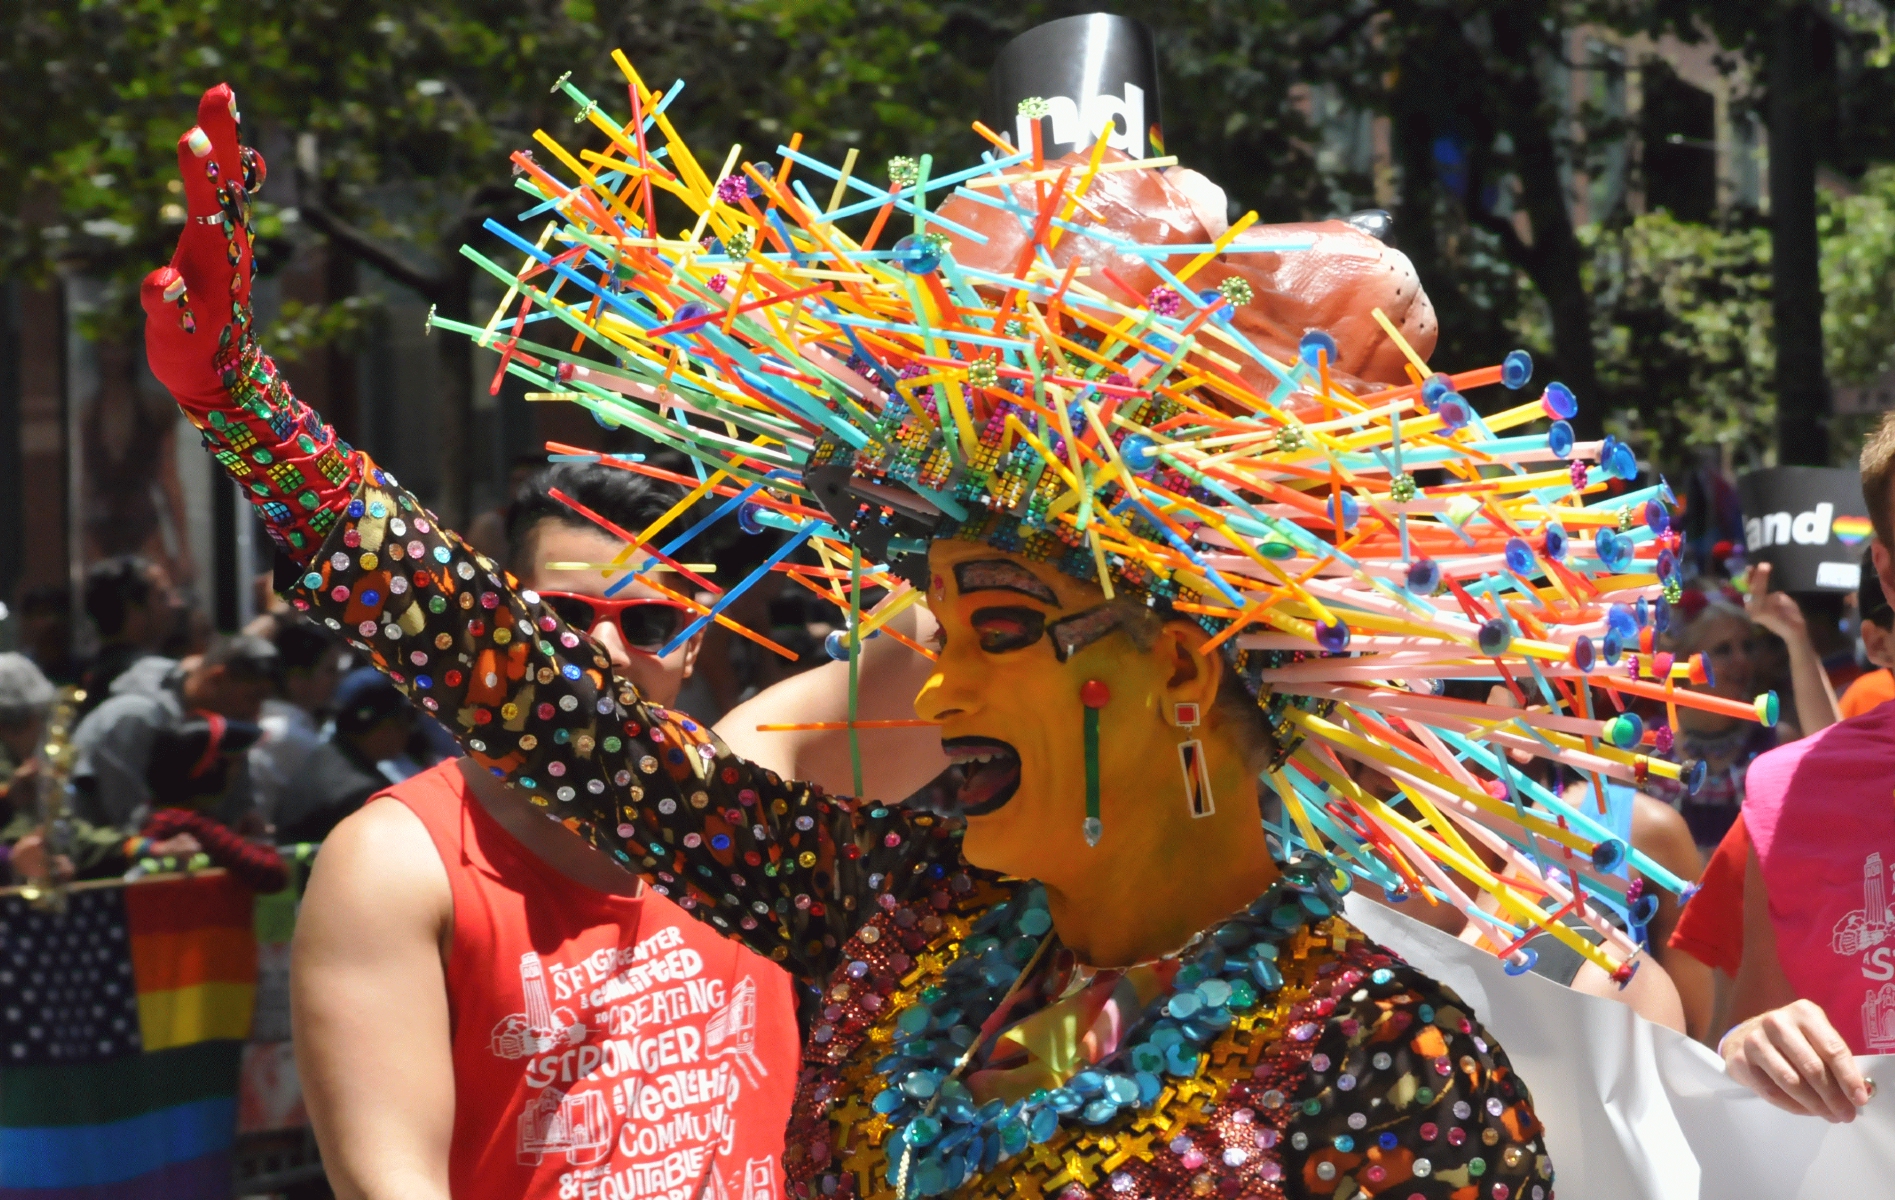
[534, 976]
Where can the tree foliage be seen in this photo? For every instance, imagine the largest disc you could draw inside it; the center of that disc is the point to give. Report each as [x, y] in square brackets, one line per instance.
[388, 126]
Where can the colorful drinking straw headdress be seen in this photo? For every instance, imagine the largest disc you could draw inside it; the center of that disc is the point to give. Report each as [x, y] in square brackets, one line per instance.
[866, 395]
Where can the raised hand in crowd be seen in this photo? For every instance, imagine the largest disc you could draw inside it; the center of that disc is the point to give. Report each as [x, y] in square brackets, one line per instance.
[1816, 706]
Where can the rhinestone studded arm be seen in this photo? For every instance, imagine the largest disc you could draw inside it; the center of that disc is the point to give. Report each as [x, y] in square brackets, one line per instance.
[1407, 1095]
[787, 869]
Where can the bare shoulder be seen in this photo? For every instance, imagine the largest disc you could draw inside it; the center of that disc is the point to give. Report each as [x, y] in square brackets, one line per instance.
[1660, 831]
[378, 869]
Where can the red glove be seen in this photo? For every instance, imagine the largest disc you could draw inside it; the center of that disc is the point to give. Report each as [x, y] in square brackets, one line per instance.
[201, 345]
[259, 868]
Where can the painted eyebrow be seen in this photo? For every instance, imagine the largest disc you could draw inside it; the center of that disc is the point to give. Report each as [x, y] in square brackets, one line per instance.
[1001, 575]
[1080, 630]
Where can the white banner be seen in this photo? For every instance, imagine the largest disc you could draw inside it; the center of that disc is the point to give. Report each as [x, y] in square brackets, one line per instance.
[1637, 1112]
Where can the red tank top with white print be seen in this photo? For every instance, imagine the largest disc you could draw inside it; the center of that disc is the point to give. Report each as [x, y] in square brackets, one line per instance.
[605, 1047]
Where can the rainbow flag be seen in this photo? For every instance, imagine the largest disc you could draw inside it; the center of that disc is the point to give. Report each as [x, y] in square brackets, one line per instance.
[122, 1023]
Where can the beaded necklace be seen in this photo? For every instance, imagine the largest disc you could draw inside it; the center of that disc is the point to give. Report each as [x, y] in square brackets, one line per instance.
[943, 1137]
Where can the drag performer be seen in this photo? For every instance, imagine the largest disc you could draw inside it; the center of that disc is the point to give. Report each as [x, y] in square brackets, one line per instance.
[1100, 980]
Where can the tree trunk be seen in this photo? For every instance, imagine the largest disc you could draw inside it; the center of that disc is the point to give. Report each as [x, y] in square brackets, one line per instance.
[1796, 296]
[1555, 258]
[453, 473]
[1413, 135]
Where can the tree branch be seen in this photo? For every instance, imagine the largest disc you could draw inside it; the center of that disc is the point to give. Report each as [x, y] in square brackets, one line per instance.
[372, 252]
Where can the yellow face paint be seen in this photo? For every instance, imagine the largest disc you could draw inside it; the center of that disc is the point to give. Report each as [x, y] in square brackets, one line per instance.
[1020, 641]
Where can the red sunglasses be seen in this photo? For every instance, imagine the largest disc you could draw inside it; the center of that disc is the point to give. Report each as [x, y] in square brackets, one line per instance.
[645, 623]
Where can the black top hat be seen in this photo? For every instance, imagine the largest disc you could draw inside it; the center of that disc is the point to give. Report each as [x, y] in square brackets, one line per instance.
[1085, 69]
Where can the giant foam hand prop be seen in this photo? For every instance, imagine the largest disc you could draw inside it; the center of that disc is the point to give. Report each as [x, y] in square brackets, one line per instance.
[1332, 286]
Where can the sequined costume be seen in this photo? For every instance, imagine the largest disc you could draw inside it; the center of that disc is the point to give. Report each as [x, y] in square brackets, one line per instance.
[1290, 1056]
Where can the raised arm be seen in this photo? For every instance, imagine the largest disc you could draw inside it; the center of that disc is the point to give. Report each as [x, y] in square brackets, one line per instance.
[783, 866]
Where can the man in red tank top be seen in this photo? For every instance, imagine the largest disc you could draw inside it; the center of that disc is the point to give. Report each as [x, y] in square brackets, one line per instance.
[487, 1007]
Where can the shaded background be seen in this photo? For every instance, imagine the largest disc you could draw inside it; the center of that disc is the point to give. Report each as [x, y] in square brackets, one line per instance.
[1677, 205]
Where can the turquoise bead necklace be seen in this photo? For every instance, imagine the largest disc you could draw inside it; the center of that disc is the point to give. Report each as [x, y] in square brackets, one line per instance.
[943, 1138]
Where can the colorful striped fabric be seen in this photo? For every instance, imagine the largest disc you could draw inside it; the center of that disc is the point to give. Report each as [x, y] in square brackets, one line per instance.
[121, 1028]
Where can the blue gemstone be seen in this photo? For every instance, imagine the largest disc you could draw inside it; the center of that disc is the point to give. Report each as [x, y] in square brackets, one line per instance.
[1607, 855]
[1424, 575]
[1148, 1057]
[1613, 647]
[916, 255]
[356, 508]
[690, 310]
[312, 580]
[1553, 542]
[836, 645]
[1088, 1084]
[1644, 909]
[920, 1085]
[1494, 637]
[887, 1101]
[1044, 1125]
[1519, 556]
[1389, 1141]
[1435, 389]
[1014, 1136]
[1139, 452]
[1332, 636]
[1183, 1004]
[1213, 299]
[1214, 992]
[1351, 511]
[1583, 655]
[1693, 777]
[570, 671]
[1181, 1061]
[1454, 413]
[1149, 1085]
[1344, 1143]
[921, 1131]
[1313, 342]
[1035, 921]
[1121, 1089]
[1559, 439]
[1619, 620]
[955, 1139]
[747, 518]
[1656, 518]
[1516, 369]
[1099, 1111]
[1165, 1036]
[1559, 402]
[1267, 976]
[424, 682]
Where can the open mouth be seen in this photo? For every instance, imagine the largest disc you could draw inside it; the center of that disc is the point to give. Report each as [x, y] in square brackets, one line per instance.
[989, 771]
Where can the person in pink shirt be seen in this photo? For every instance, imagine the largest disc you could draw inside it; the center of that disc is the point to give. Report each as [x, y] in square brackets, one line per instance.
[1816, 985]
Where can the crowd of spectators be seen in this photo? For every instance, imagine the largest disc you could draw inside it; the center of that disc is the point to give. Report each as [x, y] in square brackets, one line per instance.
[223, 746]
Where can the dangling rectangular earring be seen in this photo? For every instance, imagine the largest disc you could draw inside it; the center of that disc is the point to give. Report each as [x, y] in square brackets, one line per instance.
[1197, 772]
[1197, 778]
